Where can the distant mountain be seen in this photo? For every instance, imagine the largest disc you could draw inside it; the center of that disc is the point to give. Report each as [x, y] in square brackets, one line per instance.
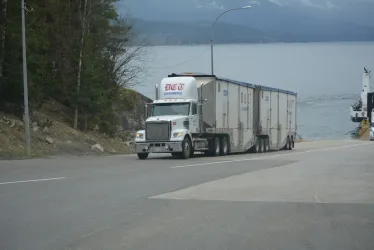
[161, 33]
[267, 20]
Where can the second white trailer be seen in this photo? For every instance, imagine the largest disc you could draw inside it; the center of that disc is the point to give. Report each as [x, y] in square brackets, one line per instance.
[275, 117]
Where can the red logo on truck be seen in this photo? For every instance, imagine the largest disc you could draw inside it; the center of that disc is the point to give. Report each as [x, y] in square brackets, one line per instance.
[181, 86]
[174, 86]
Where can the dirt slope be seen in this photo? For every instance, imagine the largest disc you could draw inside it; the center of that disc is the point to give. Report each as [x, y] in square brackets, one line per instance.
[52, 134]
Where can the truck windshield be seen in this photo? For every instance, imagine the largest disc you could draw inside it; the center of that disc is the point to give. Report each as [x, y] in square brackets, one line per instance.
[161, 109]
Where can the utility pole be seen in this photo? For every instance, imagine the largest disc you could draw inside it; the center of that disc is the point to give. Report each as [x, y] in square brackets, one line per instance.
[26, 116]
[212, 35]
[83, 18]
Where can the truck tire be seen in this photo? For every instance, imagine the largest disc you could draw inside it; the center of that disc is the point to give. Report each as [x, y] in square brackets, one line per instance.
[216, 147]
[258, 145]
[224, 146]
[265, 145]
[192, 151]
[289, 144]
[143, 156]
[186, 148]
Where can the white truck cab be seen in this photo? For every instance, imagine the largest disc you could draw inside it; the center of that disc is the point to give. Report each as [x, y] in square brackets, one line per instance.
[172, 119]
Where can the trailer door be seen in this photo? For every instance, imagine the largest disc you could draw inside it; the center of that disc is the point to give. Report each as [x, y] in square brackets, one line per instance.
[225, 96]
[233, 114]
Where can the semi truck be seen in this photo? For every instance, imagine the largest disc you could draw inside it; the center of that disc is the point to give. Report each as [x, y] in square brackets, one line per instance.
[195, 112]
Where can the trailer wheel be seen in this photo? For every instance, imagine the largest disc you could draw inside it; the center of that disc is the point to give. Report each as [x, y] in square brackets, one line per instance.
[216, 149]
[186, 148]
[258, 145]
[261, 145]
[224, 146]
[209, 152]
[266, 145]
[143, 156]
[289, 144]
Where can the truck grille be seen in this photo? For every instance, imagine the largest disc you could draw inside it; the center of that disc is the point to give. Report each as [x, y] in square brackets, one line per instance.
[157, 131]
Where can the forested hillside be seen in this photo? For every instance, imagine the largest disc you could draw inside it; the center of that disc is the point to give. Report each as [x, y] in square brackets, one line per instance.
[77, 54]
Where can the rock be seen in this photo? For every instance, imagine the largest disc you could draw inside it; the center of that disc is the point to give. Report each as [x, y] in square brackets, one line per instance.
[69, 142]
[12, 124]
[35, 126]
[98, 147]
[128, 143]
[46, 122]
[49, 140]
[5, 120]
[45, 129]
[112, 150]
[90, 140]
[20, 124]
[96, 128]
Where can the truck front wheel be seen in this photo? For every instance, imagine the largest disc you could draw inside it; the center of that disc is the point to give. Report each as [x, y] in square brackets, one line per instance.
[186, 148]
[142, 156]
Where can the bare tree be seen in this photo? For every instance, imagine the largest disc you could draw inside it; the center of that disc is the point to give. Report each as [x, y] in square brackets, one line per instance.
[126, 53]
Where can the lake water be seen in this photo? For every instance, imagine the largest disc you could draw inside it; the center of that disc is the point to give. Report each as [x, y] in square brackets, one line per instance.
[326, 76]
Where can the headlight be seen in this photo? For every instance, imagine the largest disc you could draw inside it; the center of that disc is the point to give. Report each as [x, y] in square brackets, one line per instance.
[177, 134]
[139, 135]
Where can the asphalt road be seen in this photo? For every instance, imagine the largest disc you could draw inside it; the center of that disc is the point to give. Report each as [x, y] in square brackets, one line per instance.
[318, 196]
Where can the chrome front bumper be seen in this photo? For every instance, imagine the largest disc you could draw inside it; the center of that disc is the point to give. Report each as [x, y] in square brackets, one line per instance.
[158, 147]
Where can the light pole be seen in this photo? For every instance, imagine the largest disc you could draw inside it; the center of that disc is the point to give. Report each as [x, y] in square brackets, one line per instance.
[212, 35]
[25, 90]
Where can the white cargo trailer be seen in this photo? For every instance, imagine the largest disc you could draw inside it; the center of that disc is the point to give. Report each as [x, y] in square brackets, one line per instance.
[217, 116]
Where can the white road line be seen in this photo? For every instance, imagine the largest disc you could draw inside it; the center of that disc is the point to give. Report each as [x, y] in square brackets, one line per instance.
[272, 156]
[38, 180]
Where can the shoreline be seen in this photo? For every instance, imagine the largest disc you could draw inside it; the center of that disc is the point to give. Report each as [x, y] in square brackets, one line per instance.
[258, 43]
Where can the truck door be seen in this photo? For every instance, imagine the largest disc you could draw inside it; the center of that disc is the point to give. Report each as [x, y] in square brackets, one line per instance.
[194, 119]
